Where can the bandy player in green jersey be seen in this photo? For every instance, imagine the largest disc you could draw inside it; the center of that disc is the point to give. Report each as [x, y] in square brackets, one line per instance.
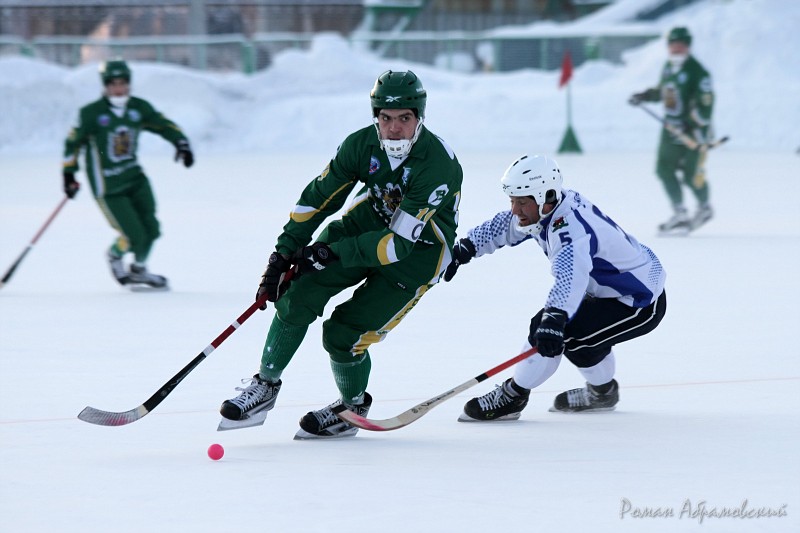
[108, 129]
[393, 243]
[685, 88]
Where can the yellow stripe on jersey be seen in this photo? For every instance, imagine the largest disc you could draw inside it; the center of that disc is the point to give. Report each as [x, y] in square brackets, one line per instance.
[123, 243]
[97, 170]
[358, 200]
[386, 251]
[445, 257]
[371, 337]
[303, 213]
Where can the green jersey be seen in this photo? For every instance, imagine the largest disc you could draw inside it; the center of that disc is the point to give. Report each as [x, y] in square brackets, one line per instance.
[688, 98]
[111, 137]
[401, 212]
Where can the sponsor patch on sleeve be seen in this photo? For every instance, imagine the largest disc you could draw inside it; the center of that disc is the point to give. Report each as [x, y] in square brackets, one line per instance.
[438, 195]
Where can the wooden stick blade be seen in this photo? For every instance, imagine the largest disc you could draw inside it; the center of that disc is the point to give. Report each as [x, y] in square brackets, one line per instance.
[420, 410]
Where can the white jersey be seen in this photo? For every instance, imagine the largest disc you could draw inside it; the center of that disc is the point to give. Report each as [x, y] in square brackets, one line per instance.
[589, 255]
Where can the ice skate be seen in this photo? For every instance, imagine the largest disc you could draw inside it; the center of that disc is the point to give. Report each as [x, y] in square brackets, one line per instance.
[503, 403]
[140, 278]
[117, 268]
[324, 424]
[251, 406]
[703, 215]
[678, 224]
[588, 398]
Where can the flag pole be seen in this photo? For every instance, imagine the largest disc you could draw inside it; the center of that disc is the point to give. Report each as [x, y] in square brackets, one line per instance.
[569, 143]
[569, 104]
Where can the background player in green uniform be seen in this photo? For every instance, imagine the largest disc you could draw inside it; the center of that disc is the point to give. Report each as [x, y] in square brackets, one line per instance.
[685, 88]
[394, 242]
[109, 131]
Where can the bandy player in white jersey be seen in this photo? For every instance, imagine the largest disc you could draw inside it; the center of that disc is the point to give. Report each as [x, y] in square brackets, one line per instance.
[608, 288]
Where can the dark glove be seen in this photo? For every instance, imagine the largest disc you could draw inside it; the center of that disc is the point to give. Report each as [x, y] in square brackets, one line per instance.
[184, 153]
[273, 281]
[636, 98]
[549, 336]
[313, 258]
[71, 186]
[463, 252]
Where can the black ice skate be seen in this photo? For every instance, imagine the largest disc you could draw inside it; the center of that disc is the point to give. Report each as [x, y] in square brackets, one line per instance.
[503, 403]
[251, 406]
[139, 277]
[117, 268]
[324, 424]
[678, 224]
[588, 398]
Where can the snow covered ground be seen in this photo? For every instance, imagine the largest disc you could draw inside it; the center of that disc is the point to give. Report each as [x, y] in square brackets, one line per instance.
[707, 419]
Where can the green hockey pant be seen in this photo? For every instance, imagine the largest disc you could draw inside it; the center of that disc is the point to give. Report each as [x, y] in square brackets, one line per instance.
[677, 163]
[133, 214]
[376, 307]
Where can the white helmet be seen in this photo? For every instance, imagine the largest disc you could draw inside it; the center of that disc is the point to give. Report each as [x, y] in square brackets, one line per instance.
[537, 176]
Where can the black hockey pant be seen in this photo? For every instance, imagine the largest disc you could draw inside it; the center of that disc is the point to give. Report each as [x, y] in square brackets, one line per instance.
[600, 323]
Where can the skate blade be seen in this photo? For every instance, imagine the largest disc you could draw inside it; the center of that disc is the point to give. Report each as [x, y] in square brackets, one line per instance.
[675, 233]
[464, 417]
[147, 288]
[302, 434]
[570, 412]
[682, 231]
[256, 419]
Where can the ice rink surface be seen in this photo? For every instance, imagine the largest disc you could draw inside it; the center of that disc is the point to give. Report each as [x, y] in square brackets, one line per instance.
[707, 420]
[707, 423]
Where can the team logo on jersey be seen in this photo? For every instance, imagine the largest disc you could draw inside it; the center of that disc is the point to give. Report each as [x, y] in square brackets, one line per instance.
[559, 223]
[134, 115]
[438, 195]
[406, 174]
[104, 120]
[374, 165]
[391, 196]
[120, 144]
[671, 98]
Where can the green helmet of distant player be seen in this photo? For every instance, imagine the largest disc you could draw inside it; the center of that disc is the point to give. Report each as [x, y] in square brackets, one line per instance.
[113, 69]
[398, 90]
[680, 34]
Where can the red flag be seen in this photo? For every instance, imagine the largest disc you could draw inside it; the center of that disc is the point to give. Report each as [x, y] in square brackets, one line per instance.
[566, 69]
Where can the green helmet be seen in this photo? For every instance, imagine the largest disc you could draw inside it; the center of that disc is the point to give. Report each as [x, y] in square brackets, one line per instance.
[398, 90]
[680, 34]
[116, 68]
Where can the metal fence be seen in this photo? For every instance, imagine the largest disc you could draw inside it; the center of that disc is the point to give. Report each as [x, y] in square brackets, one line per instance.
[244, 35]
[464, 51]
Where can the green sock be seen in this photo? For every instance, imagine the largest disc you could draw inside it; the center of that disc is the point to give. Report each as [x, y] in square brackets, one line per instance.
[116, 251]
[282, 342]
[352, 377]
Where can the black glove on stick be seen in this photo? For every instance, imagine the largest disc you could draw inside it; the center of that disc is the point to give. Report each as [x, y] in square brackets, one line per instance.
[549, 336]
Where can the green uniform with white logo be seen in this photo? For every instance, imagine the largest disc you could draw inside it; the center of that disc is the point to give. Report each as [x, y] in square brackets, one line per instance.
[118, 183]
[688, 100]
[394, 241]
